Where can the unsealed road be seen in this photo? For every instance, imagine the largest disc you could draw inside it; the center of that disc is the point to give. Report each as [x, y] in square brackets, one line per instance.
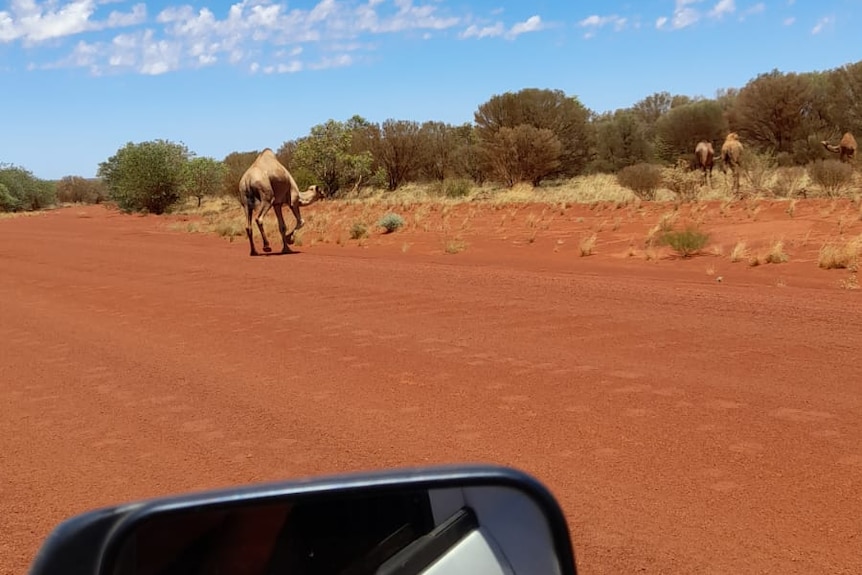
[685, 427]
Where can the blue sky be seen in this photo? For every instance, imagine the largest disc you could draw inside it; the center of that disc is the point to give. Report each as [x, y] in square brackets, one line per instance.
[80, 78]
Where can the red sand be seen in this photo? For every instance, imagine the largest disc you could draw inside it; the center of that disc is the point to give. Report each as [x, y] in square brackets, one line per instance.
[685, 425]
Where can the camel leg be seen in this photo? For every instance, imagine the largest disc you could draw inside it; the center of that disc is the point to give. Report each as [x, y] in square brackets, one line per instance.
[249, 213]
[282, 229]
[294, 207]
[264, 208]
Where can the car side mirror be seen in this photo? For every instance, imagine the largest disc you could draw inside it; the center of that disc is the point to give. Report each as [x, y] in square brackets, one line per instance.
[432, 521]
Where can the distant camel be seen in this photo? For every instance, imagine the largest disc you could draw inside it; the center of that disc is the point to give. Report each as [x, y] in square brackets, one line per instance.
[846, 148]
[267, 181]
[731, 155]
[704, 156]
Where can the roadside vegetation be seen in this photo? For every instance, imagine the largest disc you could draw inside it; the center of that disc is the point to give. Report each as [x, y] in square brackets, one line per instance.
[534, 146]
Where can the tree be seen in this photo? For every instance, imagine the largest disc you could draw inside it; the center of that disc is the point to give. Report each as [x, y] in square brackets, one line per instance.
[20, 190]
[523, 154]
[76, 189]
[203, 177]
[564, 116]
[147, 176]
[653, 107]
[772, 111]
[621, 141]
[397, 147]
[437, 142]
[846, 97]
[682, 127]
[326, 154]
[468, 160]
[236, 163]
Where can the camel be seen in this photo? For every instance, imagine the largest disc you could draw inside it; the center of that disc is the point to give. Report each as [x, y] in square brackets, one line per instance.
[267, 181]
[731, 155]
[704, 155]
[846, 148]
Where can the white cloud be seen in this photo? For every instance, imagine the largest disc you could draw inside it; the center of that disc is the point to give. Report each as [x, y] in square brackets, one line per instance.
[474, 31]
[33, 22]
[789, 21]
[531, 24]
[595, 22]
[252, 33]
[822, 24]
[723, 7]
[758, 8]
[687, 13]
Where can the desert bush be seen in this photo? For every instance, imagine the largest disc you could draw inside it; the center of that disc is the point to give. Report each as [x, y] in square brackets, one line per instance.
[831, 175]
[757, 167]
[686, 242]
[788, 181]
[358, 231]
[682, 181]
[840, 255]
[457, 188]
[391, 222]
[148, 176]
[642, 179]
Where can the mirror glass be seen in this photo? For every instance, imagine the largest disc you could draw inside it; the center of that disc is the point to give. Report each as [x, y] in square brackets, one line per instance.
[379, 531]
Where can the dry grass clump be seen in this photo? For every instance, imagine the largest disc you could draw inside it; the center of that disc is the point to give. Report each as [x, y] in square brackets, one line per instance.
[739, 251]
[776, 254]
[587, 245]
[833, 176]
[840, 255]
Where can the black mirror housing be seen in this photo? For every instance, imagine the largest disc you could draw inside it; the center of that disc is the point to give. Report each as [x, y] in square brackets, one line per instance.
[433, 521]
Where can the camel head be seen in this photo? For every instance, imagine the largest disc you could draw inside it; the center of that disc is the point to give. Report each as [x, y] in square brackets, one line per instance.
[311, 195]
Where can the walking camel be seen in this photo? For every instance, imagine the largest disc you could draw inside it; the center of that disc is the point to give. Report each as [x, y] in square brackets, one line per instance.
[704, 156]
[846, 148]
[268, 182]
[731, 155]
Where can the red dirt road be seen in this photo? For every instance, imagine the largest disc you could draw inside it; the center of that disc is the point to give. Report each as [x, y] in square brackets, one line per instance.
[685, 426]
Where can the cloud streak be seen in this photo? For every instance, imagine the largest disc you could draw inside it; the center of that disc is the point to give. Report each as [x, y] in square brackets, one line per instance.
[33, 23]
[498, 29]
[687, 13]
[595, 22]
[252, 33]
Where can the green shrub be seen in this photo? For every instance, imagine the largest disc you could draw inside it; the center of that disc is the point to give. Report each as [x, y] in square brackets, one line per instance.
[20, 190]
[148, 176]
[391, 222]
[643, 179]
[686, 242]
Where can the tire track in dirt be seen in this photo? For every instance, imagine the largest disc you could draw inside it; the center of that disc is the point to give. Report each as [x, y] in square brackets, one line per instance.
[678, 430]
